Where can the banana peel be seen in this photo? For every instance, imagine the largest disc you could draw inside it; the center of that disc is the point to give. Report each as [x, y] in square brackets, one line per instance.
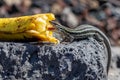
[28, 28]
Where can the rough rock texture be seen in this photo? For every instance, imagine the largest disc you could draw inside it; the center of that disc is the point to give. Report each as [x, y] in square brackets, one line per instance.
[83, 60]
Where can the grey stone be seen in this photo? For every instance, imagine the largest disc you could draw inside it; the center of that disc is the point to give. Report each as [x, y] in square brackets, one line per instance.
[82, 60]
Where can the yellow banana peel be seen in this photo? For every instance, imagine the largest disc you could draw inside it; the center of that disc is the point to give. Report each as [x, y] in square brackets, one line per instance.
[28, 28]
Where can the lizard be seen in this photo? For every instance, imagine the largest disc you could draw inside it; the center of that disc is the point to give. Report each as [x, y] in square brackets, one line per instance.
[84, 31]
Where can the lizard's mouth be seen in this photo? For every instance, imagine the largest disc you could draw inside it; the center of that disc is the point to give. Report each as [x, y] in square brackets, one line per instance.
[55, 24]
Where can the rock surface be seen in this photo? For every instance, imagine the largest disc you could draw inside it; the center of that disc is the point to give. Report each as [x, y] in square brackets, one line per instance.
[83, 60]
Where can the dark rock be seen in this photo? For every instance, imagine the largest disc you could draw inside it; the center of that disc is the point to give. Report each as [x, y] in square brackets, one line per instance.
[83, 60]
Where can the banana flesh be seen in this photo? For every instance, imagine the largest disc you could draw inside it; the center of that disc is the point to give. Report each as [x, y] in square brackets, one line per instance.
[28, 28]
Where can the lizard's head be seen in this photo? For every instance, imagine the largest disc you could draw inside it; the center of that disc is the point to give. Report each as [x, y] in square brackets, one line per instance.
[61, 30]
[58, 26]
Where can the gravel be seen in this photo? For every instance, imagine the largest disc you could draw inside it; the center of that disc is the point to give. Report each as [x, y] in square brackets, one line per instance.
[114, 73]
